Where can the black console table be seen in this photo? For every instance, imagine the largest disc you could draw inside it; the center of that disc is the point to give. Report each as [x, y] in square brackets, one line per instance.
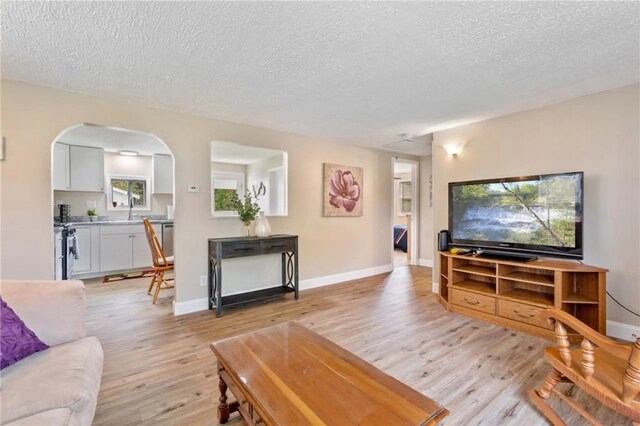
[228, 248]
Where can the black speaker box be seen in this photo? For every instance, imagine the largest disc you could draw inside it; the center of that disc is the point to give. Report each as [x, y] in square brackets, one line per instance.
[443, 240]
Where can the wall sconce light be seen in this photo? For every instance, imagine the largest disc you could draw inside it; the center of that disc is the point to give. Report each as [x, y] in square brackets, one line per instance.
[454, 148]
[128, 152]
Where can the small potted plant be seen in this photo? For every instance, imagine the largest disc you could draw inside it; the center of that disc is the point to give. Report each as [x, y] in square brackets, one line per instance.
[93, 215]
[247, 210]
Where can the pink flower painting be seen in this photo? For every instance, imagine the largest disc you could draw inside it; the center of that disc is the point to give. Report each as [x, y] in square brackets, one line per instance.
[343, 190]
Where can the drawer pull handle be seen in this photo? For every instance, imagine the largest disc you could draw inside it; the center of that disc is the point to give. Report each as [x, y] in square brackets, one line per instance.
[278, 245]
[243, 248]
[529, 316]
[470, 302]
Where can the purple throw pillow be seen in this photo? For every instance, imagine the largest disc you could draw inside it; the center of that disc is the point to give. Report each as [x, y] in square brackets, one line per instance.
[18, 341]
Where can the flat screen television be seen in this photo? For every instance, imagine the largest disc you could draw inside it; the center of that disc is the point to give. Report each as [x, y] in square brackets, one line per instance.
[519, 216]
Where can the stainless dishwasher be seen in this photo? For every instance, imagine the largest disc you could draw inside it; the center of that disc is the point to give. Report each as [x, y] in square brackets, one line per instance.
[167, 239]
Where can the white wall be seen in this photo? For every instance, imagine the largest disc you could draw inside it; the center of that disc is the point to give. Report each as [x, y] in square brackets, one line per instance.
[598, 134]
[228, 167]
[116, 164]
[328, 246]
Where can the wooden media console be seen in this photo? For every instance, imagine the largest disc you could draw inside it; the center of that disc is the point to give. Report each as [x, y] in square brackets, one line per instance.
[514, 293]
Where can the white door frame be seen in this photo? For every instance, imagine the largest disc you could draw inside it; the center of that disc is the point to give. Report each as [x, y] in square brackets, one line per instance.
[415, 206]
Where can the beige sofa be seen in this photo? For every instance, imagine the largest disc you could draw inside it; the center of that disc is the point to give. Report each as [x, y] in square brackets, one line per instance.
[58, 386]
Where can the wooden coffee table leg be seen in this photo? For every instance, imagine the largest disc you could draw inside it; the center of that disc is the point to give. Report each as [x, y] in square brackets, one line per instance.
[223, 407]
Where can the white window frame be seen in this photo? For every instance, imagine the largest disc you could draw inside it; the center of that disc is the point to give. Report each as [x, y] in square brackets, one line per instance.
[240, 184]
[109, 197]
[400, 198]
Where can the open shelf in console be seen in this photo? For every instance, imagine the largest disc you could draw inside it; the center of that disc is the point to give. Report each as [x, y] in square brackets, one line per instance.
[444, 279]
[527, 275]
[471, 268]
[532, 297]
[580, 287]
[482, 287]
[525, 292]
[579, 299]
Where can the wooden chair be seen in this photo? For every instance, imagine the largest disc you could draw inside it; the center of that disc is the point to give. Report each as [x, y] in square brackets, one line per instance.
[161, 263]
[606, 370]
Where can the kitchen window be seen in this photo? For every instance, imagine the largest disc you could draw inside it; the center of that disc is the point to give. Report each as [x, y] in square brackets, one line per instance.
[123, 189]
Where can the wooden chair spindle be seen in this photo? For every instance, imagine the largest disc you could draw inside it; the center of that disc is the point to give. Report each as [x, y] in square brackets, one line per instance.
[631, 380]
[588, 360]
[563, 344]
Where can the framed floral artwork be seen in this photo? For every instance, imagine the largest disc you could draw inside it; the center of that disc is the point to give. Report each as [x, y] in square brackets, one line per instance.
[342, 190]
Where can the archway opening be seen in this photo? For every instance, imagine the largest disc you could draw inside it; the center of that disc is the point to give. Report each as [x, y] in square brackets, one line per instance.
[105, 182]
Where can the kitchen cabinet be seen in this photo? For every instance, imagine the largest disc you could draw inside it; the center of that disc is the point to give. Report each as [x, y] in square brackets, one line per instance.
[61, 167]
[162, 174]
[115, 252]
[86, 168]
[89, 250]
[141, 252]
[123, 247]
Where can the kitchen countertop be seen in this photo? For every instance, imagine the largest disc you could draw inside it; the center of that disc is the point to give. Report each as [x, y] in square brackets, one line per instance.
[119, 222]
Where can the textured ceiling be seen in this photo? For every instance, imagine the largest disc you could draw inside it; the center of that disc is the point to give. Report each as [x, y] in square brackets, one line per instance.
[355, 71]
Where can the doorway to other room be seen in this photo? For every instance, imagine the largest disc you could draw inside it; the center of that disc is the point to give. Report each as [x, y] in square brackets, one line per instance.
[405, 212]
[113, 202]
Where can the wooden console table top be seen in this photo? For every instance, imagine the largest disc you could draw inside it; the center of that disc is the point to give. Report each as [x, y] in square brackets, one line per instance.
[288, 375]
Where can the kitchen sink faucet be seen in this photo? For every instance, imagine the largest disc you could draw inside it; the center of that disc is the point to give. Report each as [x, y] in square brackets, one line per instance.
[130, 206]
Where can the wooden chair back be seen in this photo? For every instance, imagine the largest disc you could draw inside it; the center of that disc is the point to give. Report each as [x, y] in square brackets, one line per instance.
[607, 370]
[157, 254]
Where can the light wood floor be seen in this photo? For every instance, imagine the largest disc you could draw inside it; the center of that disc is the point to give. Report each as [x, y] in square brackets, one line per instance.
[159, 369]
[399, 258]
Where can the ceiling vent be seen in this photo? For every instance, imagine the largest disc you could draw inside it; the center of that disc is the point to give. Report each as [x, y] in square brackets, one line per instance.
[409, 144]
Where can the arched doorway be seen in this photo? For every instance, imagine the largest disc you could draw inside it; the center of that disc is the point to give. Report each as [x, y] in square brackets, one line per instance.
[105, 181]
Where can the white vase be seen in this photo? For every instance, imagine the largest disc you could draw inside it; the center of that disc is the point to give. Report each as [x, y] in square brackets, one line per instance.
[261, 227]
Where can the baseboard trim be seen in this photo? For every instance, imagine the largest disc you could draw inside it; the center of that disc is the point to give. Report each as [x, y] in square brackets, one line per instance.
[434, 287]
[346, 276]
[196, 305]
[425, 262]
[190, 306]
[623, 331]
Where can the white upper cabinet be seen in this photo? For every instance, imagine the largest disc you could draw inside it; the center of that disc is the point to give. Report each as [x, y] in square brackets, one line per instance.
[162, 174]
[86, 168]
[61, 167]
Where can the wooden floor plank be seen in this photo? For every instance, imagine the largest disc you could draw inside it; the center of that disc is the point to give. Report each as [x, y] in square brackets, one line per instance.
[159, 368]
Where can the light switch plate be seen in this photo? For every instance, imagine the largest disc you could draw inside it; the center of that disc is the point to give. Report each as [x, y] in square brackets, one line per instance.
[193, 188]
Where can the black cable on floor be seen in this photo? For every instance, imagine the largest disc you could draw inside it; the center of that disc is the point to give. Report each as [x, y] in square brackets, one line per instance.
[623, 307]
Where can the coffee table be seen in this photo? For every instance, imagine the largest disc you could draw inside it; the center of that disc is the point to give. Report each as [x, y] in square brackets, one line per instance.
[288, 375]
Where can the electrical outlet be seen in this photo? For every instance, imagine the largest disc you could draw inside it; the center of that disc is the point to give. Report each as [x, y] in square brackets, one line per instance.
[92, 205]
[203, 280]
[193, 188]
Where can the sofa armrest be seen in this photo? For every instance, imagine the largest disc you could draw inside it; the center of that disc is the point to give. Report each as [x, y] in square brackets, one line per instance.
[54, 310]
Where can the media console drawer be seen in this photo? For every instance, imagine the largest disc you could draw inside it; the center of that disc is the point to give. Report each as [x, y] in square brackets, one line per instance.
[474, 301]
[522, 312]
